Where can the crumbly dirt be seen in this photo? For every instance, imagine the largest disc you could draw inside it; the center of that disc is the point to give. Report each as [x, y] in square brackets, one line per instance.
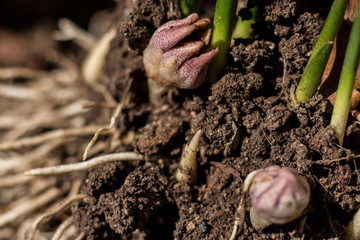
[249, 122]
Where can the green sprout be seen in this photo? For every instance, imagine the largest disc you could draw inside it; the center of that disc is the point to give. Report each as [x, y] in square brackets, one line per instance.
[243, 27]
[188, 7]
[223, 24]
[346, 82]
[314, 70]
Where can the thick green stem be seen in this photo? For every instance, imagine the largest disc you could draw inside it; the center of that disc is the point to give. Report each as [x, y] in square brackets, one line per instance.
[223, 24]
[346, 83]
[311, 78]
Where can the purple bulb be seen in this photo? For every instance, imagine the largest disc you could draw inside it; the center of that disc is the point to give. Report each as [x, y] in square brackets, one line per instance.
[278, 196]
[173, 57]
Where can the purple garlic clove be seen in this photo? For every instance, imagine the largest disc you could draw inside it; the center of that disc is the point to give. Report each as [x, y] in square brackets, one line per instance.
[278, 196]
[172, 57]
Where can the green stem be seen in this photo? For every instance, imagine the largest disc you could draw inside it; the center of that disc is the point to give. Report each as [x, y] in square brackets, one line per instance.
[346, 83]
[314, 70]
[223, 24]
[243, 27]
[189, 6]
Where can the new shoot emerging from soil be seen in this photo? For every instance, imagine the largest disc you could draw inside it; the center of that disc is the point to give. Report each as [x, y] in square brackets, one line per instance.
[173, 59]
[223, 24]
[187, 171]
[278, 195]
[346, 83]
[314, 70]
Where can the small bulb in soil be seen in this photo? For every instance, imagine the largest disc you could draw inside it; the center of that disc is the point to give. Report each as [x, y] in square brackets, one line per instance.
[173, 58]
[278, 195]
[187, 171]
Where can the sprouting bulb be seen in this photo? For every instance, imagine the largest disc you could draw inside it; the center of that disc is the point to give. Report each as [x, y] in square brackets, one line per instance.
[173, 57]
[278, 195]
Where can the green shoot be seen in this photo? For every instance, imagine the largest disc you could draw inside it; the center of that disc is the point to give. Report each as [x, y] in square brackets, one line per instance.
[314, 70]
[243, 27]
[188, 7]
[346, 82]
[224, 20]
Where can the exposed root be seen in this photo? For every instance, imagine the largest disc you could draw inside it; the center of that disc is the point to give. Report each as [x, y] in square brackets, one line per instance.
[113, 122]
[22, 230]
[10, 199]
[61, 169]
[70, 31]
[56, 134]
[336, 160]
[97, 104]
[50, 212]
[28, 207]
[80, 236]
[96, 87]
[239, 219]
[6, 233]
[24, 93]
[10, 73]
[43, 113]
[49, 119]
[21, 162]
[10, 181]
[62, 228]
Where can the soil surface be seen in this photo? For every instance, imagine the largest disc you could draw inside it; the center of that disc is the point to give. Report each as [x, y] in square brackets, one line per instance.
[249, 122]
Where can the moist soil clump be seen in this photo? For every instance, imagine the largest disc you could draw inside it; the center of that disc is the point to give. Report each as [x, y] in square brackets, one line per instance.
[249, 122]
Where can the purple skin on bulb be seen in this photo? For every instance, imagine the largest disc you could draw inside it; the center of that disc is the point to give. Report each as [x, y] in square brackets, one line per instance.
[173, 57]
[278, 194]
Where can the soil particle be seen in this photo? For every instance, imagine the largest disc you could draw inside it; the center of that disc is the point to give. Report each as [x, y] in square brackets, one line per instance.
[253, 56]
[277, 117]
[213, 206]
[110, 212]
[159, 134]
[278, 11]
[297, 49]
[278, 17]
[145, 18]
[125, 70]
[134, 205]
[221, 118]
[88, 217]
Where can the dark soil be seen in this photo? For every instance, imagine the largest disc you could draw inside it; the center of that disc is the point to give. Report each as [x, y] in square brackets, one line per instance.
[248, 122]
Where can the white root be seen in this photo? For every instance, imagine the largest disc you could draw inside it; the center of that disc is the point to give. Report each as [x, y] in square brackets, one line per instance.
[113, 121]
[61, 169]
[56, 134]
[28, 207]
[59, 207]
[94, 61]
[65, 225]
